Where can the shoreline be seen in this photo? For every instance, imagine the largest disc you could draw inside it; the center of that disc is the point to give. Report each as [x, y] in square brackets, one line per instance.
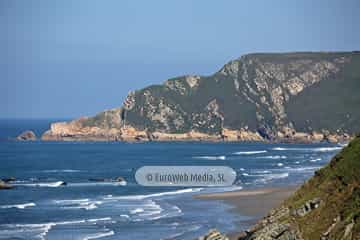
[252, 203]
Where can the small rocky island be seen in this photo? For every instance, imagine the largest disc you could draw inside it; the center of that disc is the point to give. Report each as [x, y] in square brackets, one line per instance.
[287, 97]
[26, 136]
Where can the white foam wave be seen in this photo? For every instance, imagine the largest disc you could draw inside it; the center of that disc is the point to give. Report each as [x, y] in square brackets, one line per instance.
[40, 230]
[91, 184]
[315, 149]
[274, 157]
[280, 164]
[19, 206]
[250, 152]
[45, 184]
[99, 235]
[268, 177]
[315, 160]
[211, 157]
[71, 201]
[137, 210]
[99, 219]
[304, 169]
[62, 171]
[154, 195]
[86, 204]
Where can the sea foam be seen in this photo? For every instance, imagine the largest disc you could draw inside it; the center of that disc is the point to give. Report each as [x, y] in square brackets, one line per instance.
[250, 152]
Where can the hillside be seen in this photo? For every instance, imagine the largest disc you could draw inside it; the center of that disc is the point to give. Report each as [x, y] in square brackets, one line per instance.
[326, 207]
[308, 96]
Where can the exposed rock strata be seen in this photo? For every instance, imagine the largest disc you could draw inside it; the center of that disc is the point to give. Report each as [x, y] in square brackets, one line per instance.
[291, 97]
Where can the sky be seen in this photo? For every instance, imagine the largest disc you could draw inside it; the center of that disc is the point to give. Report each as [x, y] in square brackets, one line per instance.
[66, 59]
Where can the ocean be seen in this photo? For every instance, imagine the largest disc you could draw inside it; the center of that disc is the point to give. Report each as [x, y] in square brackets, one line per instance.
[41, 208]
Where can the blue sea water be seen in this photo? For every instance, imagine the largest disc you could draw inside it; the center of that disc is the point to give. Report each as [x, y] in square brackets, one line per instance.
[40, 208]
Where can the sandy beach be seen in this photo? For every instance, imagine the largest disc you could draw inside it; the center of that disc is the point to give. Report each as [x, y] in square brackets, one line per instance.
[254, 204]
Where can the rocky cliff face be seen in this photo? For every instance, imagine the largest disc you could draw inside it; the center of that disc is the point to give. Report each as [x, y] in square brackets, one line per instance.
[288, 97]
[325, 207]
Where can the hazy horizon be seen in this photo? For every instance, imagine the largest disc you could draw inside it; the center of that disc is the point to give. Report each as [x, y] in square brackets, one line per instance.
[68, 59]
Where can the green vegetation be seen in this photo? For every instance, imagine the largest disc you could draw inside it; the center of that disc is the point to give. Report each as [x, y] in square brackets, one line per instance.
[262, 92]
[338, 186]
[332, 104]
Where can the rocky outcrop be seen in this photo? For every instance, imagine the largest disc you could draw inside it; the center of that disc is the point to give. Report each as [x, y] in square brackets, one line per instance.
[4, 185]
[26, 136]
[307, 207]
[290, 97]
[214, 235]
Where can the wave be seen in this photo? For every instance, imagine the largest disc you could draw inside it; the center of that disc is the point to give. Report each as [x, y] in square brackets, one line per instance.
[250, 152]
[211, 157]
[315, 160]
[40, 230]
[316, 149]
[71, 201]
[90, 184]
[305, 169]
[154, 195]
[274, 157]
[137, 210]
[47, 184]
[62, 183]
[99, 219]
[269, 177]
[262, 171]
[61, 171]
[85, 203]
[19, 206]
[279, 164]
[100, 235]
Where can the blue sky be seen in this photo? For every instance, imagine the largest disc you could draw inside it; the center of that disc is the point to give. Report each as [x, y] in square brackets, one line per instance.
[64, 59]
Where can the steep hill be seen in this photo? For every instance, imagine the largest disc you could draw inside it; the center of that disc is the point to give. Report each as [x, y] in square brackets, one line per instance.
[326, 207]
[308, 96]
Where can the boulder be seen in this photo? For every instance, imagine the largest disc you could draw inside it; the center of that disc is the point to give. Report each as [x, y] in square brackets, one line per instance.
[214, 235]
[4, 185]
[307, 207]
[26, 136]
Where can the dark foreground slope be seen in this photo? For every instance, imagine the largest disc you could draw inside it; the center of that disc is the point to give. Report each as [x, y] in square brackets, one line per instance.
[309, 96]
[326, 207]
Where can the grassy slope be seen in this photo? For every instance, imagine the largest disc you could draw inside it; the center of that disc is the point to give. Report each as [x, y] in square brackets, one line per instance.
[338, 185]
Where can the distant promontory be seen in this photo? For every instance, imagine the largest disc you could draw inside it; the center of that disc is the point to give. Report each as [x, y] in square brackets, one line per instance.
[288, 97]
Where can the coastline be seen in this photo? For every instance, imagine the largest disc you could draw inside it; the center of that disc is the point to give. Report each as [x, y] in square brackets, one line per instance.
[252, 203]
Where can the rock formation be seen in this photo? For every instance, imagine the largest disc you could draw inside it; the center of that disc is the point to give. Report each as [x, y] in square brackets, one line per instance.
[302, 97]
[4, 185]
[26, 136]
[214, 235]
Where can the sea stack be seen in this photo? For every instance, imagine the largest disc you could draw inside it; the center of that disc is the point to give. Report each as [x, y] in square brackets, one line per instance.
[26, 136]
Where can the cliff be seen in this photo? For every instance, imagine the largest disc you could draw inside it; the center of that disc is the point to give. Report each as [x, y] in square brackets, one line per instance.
[309, 96]
[326, 207]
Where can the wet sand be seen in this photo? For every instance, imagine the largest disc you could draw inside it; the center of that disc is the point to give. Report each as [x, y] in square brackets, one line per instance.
[255, 203]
